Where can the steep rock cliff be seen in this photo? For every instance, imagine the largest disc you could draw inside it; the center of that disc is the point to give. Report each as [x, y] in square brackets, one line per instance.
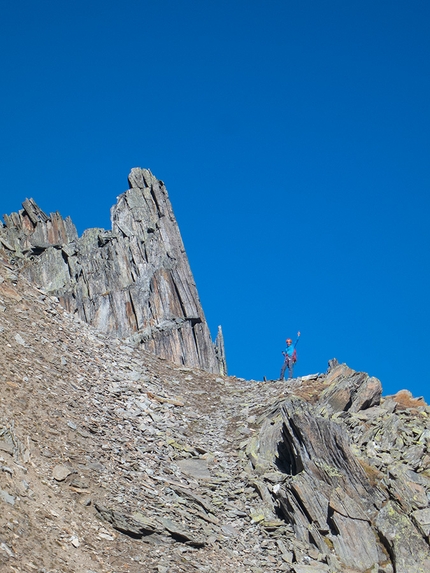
[134, 281]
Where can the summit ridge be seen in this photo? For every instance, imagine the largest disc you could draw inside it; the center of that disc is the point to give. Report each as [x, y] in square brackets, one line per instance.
[125, 447]
[133, 281]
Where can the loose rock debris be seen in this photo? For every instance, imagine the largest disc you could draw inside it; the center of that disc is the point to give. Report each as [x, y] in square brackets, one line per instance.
[113, 460]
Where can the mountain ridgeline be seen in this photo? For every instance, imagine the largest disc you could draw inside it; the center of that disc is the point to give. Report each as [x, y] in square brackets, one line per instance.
[133, 281]
[124, 445]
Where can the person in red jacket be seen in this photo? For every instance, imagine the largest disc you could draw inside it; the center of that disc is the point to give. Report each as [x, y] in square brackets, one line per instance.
[290, 357]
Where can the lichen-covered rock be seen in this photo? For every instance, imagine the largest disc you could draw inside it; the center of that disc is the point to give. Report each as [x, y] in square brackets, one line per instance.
[409, 551]
[349, 390]
[355, 486]
[134, 281]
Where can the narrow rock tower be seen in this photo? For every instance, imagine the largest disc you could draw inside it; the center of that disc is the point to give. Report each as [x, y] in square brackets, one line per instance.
[133, 282]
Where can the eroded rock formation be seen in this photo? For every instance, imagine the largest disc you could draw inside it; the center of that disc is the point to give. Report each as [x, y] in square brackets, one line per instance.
[111, 457]
[318, 475]
[134, 281]
[349, 471]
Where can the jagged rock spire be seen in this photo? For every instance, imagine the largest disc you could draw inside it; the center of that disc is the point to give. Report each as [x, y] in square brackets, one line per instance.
[134, 281]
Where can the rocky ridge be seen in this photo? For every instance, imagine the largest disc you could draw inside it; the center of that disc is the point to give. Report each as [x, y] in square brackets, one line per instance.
[133, 282]
[113, 459]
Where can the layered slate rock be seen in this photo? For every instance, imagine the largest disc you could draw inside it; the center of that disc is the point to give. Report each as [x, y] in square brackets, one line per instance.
[133, 282]
[108, 453]
[349, 471]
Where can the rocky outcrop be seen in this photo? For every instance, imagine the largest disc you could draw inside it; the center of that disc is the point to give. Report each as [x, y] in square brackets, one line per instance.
[134, 281]
[350, 472]
[110, 456]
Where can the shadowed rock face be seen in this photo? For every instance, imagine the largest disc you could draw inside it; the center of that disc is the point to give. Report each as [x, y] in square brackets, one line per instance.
[134, 281]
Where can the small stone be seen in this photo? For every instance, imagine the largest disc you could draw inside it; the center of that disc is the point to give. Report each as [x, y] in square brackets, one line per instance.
[317, 568]
[288, 556]
[229, 530]
[61, 472]
[257, 517]
[7, 549]
[422, 518]
[6, 447]
[106, 536]
[20, 339]
[6, 470]
[6, 497]
[196, 468]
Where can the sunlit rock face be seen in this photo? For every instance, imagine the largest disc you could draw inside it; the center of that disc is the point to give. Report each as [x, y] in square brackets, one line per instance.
[103, 442]
[348, 470]
[133, 282]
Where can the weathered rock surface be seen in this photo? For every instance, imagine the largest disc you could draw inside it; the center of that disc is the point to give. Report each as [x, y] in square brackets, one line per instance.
[133, 282]
[357, 471]
[112, 459]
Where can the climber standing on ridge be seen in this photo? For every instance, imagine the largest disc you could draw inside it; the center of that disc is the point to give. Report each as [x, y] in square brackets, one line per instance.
[290, 357]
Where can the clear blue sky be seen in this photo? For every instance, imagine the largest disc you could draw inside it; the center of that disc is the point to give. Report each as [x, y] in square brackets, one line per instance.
[293, 138]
